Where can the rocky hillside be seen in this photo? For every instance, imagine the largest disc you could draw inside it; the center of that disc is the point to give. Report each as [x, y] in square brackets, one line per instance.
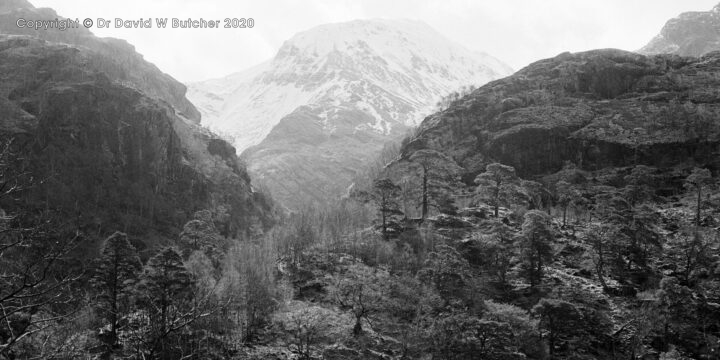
[111, 140]
[331, 98]
[122, 63]
[626, 143]
[603, 108]
[690, 34]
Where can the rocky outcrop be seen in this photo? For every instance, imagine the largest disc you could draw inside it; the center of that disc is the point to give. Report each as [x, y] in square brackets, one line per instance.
[690, 34]
[598, 109]
[120, 61]
[111, 154]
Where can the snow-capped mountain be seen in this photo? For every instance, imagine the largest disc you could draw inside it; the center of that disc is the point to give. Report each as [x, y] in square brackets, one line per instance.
[407, 58]
[355, 86]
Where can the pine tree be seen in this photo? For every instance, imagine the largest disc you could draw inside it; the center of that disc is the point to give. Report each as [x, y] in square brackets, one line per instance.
[567, 195]
[438, 172]
[535, 194]
[498, 185]
[114, 279]
[166, 289]
[385, 196]
[535, 245]
[200, 234]
[637, 188]
[634, 231]
[497, 252]
[448, 271]
[560, 319]
[462, 336]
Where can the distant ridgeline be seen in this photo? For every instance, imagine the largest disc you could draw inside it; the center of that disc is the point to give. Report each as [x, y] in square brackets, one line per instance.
[110, 142]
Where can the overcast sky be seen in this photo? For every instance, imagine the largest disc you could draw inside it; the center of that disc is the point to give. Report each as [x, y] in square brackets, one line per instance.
[517, 32]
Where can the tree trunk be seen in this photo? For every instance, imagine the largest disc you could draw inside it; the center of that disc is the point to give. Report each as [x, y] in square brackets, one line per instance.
[539, 268]
[533, 275]
[599, 269]
[357, 329]
[113, 301]
[697, 214]
[497, 197]
[383, 209]
[551, 336]
[425, 194]
[163, 330]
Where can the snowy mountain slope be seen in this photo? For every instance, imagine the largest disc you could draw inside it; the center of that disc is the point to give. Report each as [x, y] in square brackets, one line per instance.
[407, 58]
[693, 33]
[353, 86]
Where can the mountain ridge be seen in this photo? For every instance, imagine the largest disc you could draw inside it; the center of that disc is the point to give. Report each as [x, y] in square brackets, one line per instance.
[129, 66]
[115, 136]
[596, 109]
[354, 86]
[298, 69]
[693, 33]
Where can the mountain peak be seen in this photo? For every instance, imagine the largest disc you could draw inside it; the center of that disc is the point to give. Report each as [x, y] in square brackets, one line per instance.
[308, 120]
[692, 33]
[390, 53]
[397, 39]
[339, 62]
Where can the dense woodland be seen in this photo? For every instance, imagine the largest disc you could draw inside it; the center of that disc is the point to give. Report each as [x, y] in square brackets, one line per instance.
[129, 232]
[619, 263]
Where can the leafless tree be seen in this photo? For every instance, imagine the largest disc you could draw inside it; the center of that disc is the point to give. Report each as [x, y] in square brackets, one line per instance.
[35, 285]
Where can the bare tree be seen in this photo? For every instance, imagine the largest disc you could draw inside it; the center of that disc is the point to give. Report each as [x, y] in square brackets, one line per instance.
[360, 291]
[696, 181]
[35, 285]
[600, 238]
[306, 327]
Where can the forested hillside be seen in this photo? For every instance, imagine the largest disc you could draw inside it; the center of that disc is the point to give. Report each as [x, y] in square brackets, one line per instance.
[569, 211]
[103, 165]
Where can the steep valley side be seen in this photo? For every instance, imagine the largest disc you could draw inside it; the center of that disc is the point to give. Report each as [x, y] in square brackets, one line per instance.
[111, 141]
